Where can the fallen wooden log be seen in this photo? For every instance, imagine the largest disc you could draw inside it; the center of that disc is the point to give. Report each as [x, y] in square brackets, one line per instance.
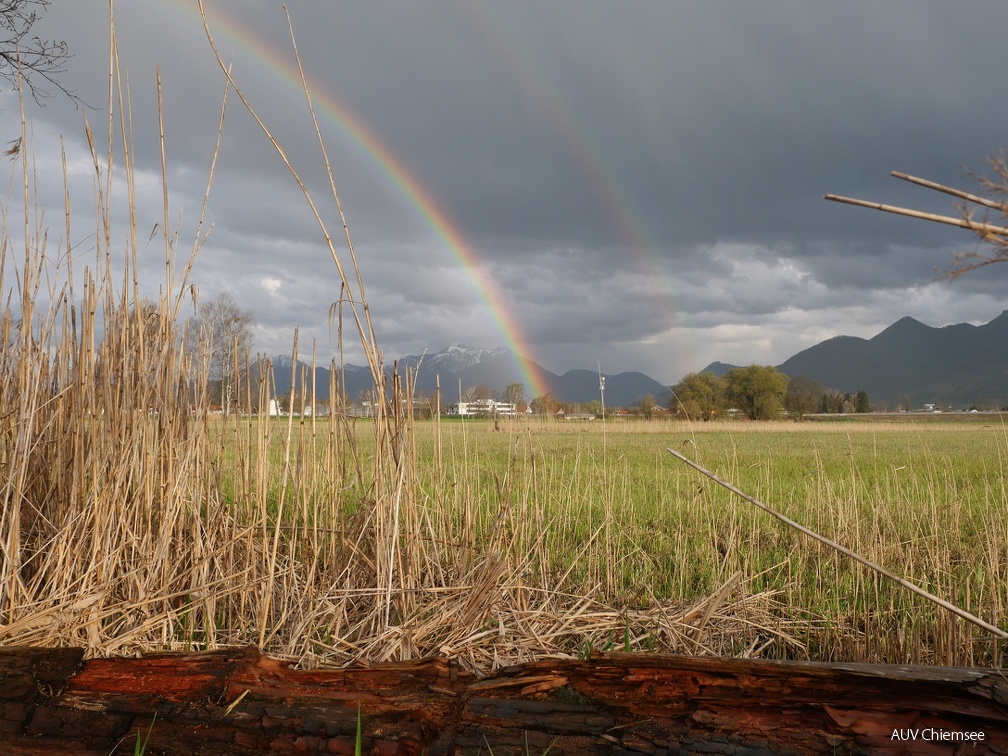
[238, 701]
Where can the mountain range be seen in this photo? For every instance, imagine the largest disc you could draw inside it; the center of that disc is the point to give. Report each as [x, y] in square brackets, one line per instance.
[958, 365]
[460, 367]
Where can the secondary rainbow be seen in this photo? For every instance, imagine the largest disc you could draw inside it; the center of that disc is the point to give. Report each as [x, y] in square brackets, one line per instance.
[389, 164]
[548, 99]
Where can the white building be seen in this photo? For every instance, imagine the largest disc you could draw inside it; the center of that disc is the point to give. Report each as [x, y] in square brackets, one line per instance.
[482, 408]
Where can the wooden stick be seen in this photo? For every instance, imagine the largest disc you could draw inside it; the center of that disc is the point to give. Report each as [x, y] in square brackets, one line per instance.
[961, 222]
[949, 190]
[844, 550]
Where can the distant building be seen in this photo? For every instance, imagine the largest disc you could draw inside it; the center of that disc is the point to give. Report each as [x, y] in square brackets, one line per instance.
[482, 408]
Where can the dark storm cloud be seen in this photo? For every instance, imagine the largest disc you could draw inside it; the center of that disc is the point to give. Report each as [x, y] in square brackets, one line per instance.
[642, 180]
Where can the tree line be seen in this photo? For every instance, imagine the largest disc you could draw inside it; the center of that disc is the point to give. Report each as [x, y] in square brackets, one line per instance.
[760, 392]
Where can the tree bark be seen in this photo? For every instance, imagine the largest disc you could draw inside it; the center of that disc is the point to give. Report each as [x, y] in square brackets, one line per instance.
[238, 701]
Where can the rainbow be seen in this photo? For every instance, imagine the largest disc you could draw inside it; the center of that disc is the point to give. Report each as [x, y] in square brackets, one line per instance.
[285, 69]
[550, 102]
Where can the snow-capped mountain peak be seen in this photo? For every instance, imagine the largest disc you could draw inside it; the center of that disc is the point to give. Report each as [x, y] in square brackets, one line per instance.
[455, 357]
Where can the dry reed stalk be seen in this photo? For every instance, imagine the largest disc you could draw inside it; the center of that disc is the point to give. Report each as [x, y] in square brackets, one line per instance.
[105, 485]
[134, 519]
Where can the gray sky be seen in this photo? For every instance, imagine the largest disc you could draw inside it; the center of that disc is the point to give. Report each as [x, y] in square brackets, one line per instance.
[637, 184]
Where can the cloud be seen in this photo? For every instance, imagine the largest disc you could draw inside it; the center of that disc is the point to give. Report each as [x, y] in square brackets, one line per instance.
[638, 183]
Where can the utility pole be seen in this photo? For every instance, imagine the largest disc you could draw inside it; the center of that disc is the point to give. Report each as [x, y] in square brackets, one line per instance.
[601, 388]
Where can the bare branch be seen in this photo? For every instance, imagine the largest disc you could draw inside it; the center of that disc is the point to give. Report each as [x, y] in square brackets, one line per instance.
[28, 58]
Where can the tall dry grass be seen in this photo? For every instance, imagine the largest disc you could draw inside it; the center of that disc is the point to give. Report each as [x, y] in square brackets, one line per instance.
[133, 519]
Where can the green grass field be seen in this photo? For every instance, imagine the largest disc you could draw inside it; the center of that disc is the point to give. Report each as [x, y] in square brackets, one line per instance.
[603, 511]
[608, 509]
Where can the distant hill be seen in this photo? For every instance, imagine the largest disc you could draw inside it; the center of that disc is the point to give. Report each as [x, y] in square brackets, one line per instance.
[621, 390]
[958, 365]
[718, 368]
[495, 368]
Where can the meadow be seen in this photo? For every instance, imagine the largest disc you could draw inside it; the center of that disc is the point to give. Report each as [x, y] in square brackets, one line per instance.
[609, 512]
[596, 526]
